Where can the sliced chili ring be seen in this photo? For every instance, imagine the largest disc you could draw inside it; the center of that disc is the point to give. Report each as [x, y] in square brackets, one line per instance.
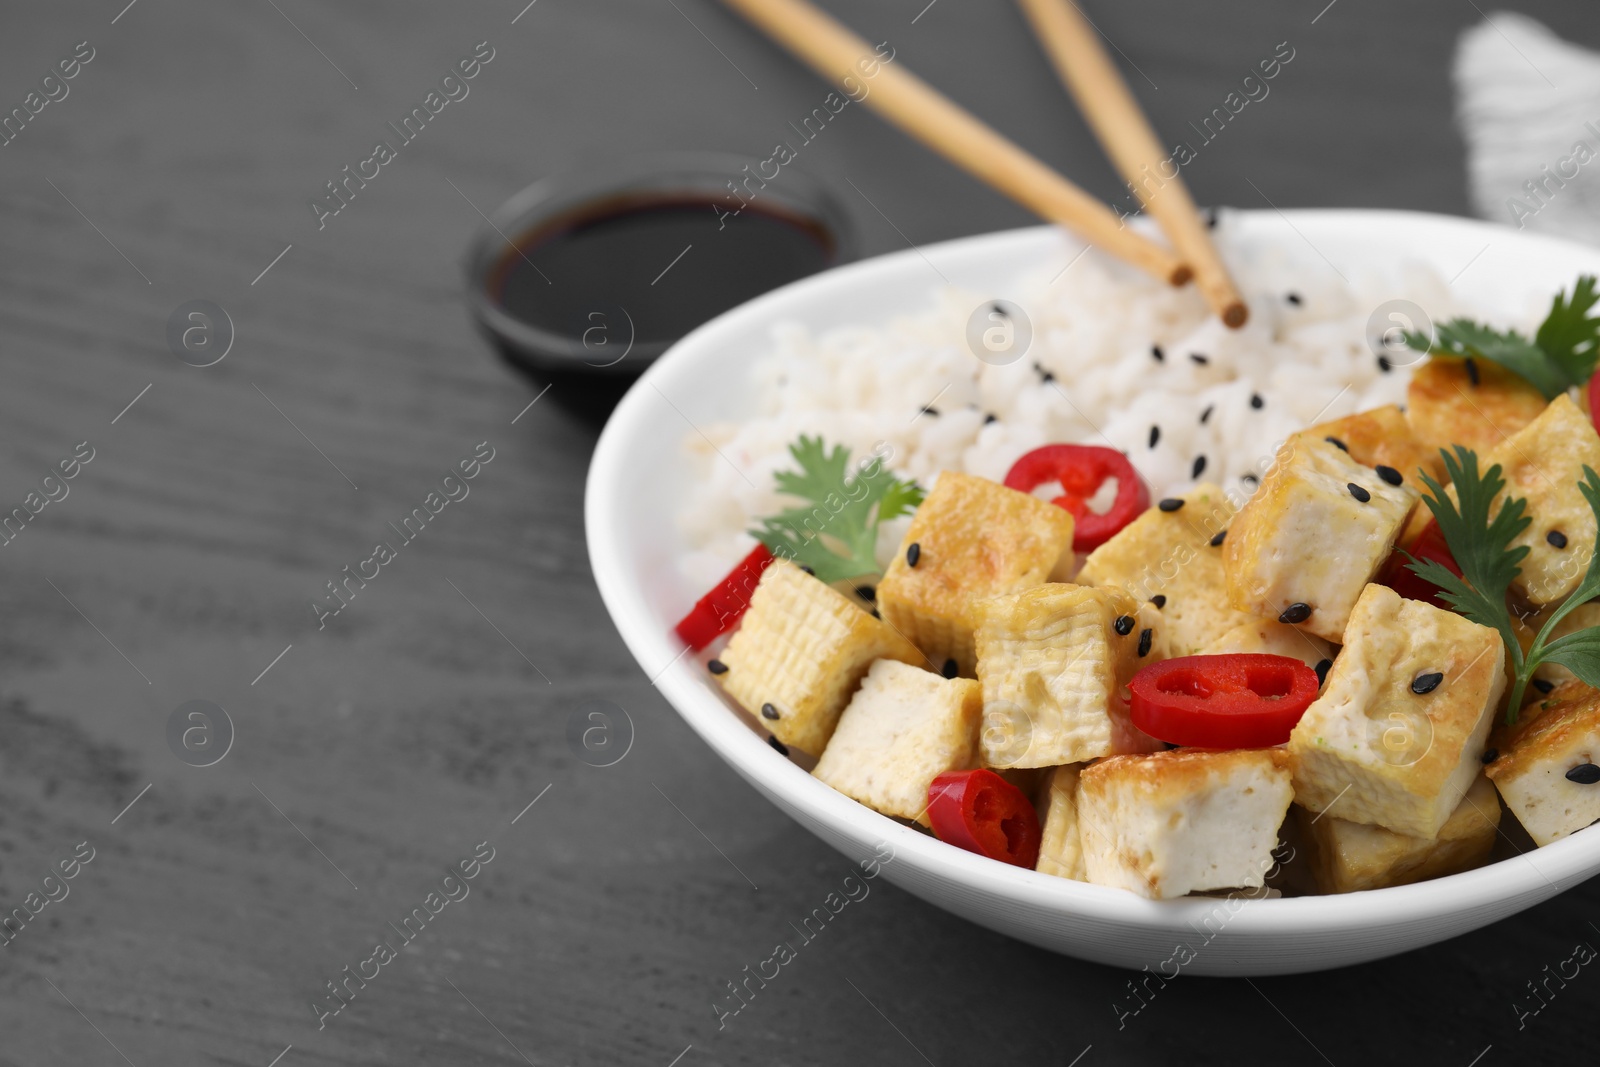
[983, 813]
[1082, 470]
[1237, 700]
[719, 610]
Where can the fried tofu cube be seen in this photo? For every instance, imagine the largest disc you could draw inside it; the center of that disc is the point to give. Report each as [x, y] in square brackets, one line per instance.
[1350, 856]
[1543, 462]
[1188, 819]
[1536, 756]
[1395, 737]
[975, 539]
[1446, 406]
[1060, 848]
[1053, 661]
[903, 728]
[1382, 438]
[1166, 557]
[800, 651]
[1548, 675]
[1274, 639]
[1311, 538]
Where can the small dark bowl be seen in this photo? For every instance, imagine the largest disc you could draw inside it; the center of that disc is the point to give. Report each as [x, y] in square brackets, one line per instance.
[575, 196]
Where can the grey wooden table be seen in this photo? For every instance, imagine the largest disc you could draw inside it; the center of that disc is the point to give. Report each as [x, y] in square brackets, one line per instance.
[370, 755]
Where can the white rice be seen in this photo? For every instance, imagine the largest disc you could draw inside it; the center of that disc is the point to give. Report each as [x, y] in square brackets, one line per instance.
[1093, 329]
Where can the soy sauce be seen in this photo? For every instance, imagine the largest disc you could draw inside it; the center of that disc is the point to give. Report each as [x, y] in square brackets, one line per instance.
[670, 261]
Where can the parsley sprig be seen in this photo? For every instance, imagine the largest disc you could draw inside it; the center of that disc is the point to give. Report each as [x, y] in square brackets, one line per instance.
[835, 532]
[1482, 547]
[1562, 353]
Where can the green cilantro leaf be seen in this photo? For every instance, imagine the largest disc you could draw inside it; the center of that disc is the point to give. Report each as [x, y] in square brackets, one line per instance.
[1579, 653]
[835, 532]
[1568, 335]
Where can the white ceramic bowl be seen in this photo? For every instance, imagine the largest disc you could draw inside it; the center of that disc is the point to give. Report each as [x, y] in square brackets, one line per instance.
[638, 476]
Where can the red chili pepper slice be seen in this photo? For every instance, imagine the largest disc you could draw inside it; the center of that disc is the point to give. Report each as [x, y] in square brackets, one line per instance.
[1430, 544]
[716, 613]
[1238, 700]
[1082, 470]
[983, 813]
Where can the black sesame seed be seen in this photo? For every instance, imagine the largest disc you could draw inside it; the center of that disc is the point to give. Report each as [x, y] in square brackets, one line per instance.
[1198, 359]
[1217, 538]
[716, 666]
[1123, 625]
[1293, 298]
[1171, 503]
[1426, 683]
[1047, 377]
[1155, 435]
[778, 746]
[1490, 755]
[1198, 467]
[1584, 774]
[1145, 637]
[1322, 670]
[1250, 478]
[950, 668]
[1384, 364]
[991, 417]
[1472, 371]
[1336, 443]
[1160, 356]
[768, 711]
[1390, 475]
[1211, 218]
[1358, 492]
[1542, 685]
[808, 570]
[1206, 414]
[930, 411]
[1556, 538]
[913, 553]
[866, 592]
[1159, 600]
[1299, 611]
[1257, 401]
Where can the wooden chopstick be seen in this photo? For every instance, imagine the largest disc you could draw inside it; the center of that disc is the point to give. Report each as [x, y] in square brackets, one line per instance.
[949, 129]
[1125, 133]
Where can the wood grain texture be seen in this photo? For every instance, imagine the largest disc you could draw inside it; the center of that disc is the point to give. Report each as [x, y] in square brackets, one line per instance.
[410, 729]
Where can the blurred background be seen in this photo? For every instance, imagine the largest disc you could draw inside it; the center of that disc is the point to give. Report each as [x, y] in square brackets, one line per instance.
[359, 760]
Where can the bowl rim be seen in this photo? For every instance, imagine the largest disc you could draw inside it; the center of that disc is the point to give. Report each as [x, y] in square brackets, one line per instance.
[1523, 879]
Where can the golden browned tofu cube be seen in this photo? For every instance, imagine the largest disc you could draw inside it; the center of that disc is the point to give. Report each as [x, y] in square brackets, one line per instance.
[1395, 737]
[1311, 538]
[1272, 638]
[904, 727]
[1446, 406]
[1165, 557]
[1053, 661]
[1549, 675]
[1381, 438]
[1060, 850]
[1548, 764]
[1188, 819]
[1350, 856]
[800, 651]
[975, 539]
[1543, 463]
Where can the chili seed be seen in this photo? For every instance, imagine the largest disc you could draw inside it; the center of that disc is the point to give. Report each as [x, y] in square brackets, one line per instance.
[716, 666]
[1584, 774]
[1257, 401]
[913, 553]
[950, 668]
[778, 746]
[1490, 755]
[1160, 356]
[1358, 492]
[1472, 371]
[1426, 683]
[1145, 637]
[1556, 538]
[1216, 538]
[1206, 414]
[1171, 503]
[1384, 364]
[1299, 611]
[1390, 475]
[1293, 298]
[1123, 625]
[1543, 686]
[1336, 443]
[1198, 467]
[768, 711]
[1199, 360]
[866, 592]
[1155, 435]
[1322, 670]
[1159, 600]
